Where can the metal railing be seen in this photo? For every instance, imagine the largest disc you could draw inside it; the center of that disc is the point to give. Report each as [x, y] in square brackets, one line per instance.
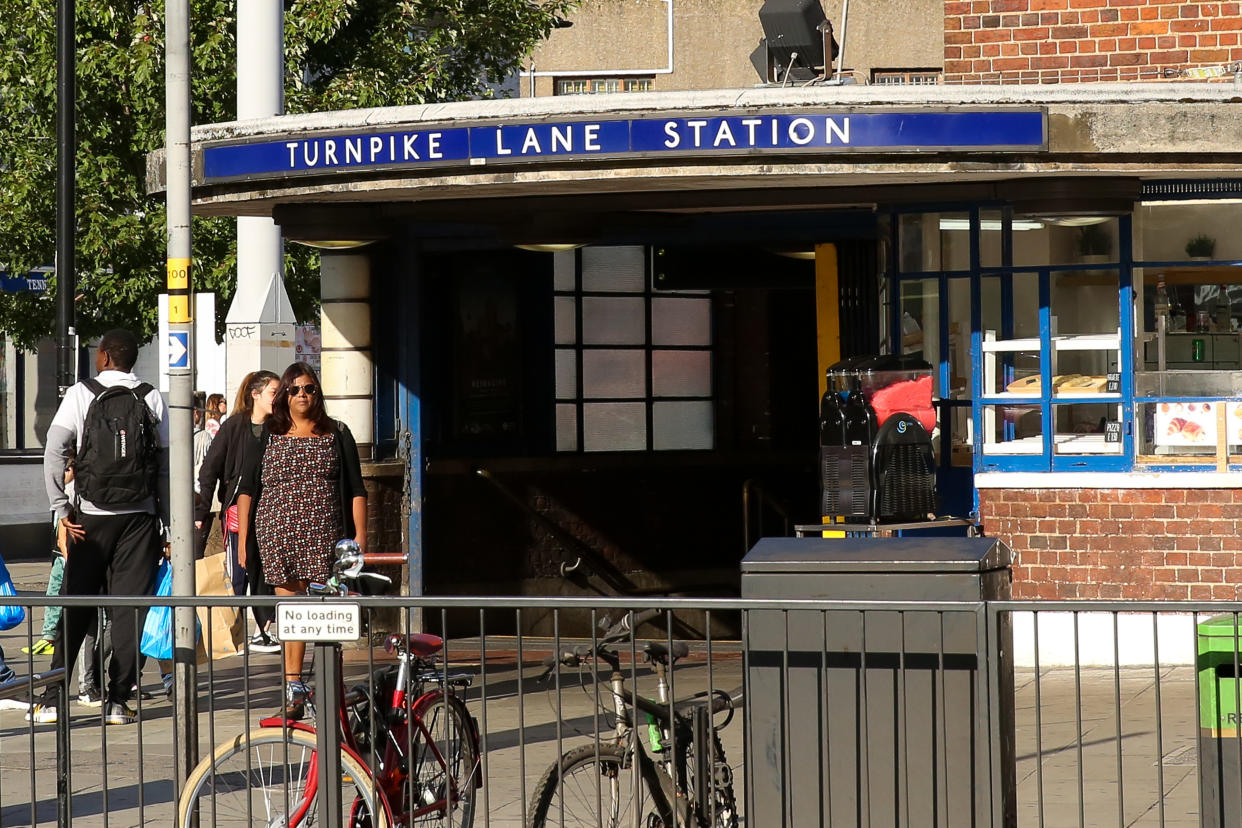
[850, 713]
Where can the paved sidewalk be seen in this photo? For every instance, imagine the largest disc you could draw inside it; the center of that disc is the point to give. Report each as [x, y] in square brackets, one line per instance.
[122, 776]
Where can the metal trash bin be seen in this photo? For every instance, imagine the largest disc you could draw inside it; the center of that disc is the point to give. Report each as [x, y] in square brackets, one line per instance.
[878, 718]
[1220, 743]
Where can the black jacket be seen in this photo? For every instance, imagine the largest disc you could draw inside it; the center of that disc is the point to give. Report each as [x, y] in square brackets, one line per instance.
[222, 465]
[349, 484]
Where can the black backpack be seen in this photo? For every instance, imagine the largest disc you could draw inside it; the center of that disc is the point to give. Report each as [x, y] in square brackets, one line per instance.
[120, 447]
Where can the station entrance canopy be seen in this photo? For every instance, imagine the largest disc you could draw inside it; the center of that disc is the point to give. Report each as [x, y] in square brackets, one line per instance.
[725, 149]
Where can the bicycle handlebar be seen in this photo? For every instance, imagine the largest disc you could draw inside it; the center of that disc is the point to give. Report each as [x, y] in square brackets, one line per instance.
[628, 623]
[385, 558]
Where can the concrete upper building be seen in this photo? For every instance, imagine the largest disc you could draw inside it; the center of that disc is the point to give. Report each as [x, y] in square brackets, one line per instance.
[667, 45]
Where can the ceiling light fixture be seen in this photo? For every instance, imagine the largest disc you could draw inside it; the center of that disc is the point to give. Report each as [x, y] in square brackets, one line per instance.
[549, 247]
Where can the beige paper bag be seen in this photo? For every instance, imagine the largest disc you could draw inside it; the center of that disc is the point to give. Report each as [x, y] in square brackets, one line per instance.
[223, 628]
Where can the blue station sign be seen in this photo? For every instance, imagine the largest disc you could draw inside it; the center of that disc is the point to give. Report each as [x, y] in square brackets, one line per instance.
[825, 132]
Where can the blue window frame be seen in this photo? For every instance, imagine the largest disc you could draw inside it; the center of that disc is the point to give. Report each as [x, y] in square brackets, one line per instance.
[1014, 336]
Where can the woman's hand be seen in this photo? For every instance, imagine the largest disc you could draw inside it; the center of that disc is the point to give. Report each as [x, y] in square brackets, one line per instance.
[73, 530]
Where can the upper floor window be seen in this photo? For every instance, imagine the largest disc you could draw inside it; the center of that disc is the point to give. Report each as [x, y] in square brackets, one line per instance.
[595, 86]
[905, 77]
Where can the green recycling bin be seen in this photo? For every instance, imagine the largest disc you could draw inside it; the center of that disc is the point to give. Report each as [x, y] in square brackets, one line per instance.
[1220, 742]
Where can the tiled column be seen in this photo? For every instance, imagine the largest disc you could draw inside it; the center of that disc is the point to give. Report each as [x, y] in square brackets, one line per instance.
[345, 351]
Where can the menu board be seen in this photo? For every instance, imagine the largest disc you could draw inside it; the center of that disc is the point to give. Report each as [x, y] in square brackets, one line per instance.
[1191, 423]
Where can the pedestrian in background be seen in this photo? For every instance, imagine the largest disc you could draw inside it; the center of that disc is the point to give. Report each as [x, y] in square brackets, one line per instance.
[202, 442]
[301, 492]
[46, 644]
[217, 412]
[220, 479]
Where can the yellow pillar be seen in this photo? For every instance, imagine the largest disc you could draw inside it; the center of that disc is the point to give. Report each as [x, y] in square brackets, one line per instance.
[827, 310]
[827, 323]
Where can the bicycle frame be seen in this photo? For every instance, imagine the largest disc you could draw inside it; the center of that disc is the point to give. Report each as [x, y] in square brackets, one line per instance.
[388, 782]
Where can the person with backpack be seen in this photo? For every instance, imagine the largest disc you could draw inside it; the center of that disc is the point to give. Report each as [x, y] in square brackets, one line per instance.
[116, 424]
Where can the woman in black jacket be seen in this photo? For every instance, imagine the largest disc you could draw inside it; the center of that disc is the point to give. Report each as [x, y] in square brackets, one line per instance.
[221, 476]
[301, 491]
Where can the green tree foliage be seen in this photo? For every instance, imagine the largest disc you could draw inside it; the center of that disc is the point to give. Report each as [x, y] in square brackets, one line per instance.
[340, 54]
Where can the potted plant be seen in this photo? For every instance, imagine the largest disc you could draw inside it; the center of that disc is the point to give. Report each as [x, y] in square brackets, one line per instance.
[1201, 247]
[1094, 243]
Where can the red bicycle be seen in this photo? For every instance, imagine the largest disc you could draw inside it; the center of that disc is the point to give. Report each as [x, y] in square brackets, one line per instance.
[409, 748]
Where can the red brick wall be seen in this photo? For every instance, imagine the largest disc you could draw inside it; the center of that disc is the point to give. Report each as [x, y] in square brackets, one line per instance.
[1073, 41]
[1119, 543]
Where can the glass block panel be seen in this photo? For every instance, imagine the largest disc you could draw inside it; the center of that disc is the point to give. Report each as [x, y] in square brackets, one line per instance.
[681, 373]
[614, 321]
[565, 270]
[681, 425]
[566, 374]
[681, 321]
[614, 269]
[564, 308]
[614, 427]
[611, 374]
[566, 428]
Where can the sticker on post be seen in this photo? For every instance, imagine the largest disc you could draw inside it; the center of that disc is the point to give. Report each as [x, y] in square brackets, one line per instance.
[318, 622]
[178, 349]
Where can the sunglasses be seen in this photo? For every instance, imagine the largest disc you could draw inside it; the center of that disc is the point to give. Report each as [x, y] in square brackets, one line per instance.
[296, 390]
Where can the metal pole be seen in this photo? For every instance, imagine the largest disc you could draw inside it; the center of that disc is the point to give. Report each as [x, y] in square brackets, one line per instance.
[66, 265]
[181, 378]
[327, 726]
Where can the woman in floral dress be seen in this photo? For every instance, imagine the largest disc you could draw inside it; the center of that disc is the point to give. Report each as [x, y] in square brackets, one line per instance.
[301, 492]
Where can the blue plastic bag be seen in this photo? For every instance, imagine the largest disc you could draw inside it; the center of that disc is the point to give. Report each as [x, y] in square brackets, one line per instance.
[10, 614]
[157, 631]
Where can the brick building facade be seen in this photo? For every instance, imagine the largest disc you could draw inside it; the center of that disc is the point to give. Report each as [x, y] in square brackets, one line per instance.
[1155, 543]
[1074, 41]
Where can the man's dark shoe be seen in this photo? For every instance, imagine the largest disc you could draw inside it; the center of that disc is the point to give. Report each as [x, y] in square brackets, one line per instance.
[119, 713]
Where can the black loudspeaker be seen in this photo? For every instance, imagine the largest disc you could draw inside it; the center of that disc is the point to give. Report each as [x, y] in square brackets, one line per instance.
[793, 33]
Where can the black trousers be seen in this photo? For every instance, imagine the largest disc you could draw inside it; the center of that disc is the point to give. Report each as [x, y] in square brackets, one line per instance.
[118, 556]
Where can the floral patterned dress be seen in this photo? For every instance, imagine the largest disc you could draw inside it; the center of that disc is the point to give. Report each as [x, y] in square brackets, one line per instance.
[299, 516]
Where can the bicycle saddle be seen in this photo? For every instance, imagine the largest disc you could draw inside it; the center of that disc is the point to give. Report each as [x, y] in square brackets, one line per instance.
[655, 651]
[421, 645]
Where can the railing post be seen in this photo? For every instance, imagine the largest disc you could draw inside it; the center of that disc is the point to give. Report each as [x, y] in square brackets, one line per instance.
[327, 725]
[62, 755]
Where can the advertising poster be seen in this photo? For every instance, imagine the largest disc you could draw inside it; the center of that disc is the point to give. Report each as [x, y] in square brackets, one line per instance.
[306, 345]
[1190, 424]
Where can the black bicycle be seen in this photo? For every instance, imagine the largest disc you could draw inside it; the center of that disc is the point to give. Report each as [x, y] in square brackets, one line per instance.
[683, 779]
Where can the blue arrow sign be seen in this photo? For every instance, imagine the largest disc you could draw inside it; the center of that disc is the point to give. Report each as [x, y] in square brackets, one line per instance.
[178, 349]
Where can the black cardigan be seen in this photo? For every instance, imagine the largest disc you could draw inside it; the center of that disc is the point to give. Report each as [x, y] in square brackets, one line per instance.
[349, 483]
[222, 465]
